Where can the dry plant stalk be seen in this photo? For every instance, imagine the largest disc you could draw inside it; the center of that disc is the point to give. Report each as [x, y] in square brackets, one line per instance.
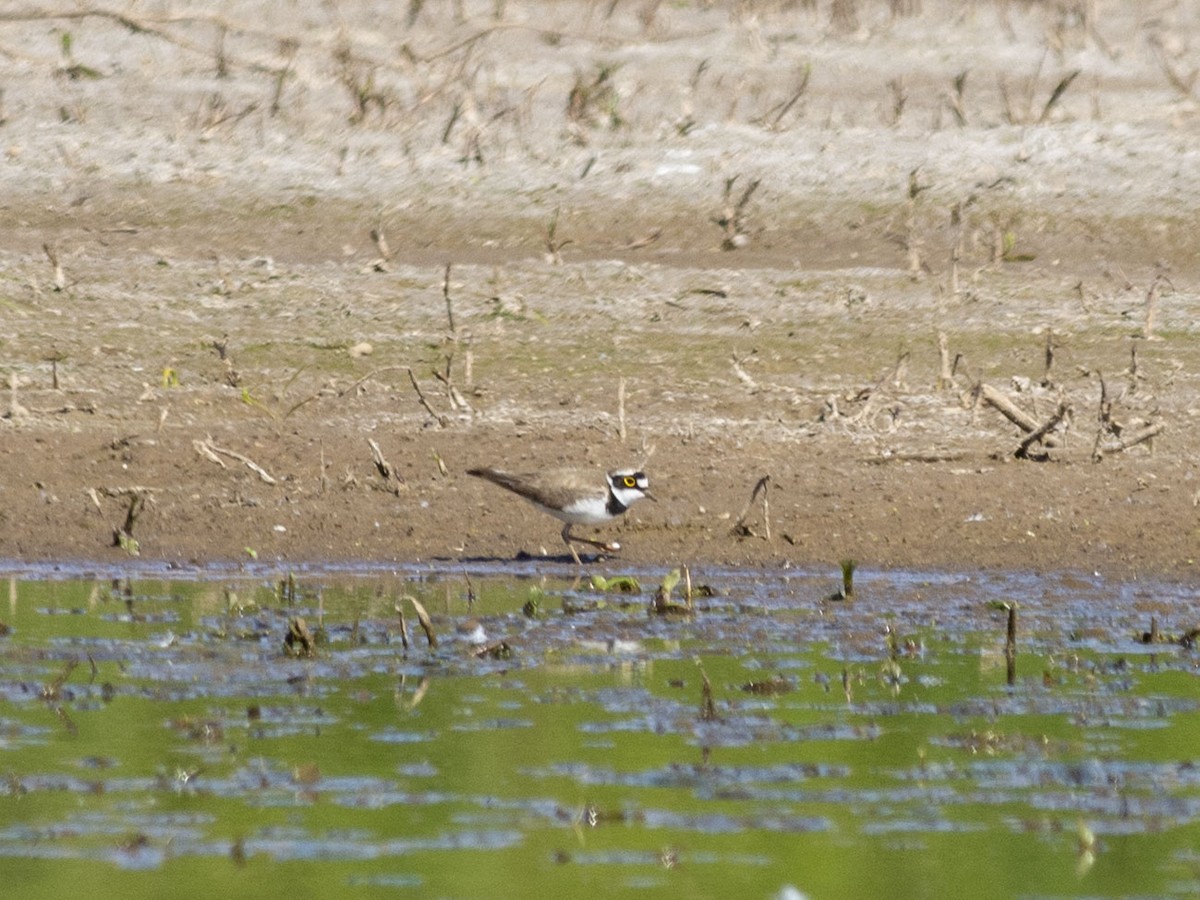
[708, 707]
[288, 48]
[452, 342]
[299, 640]
[386, 470]
[1049, 358]
[1109, 426]
[910, 240]
[621, 410]
[958, 219]
[123, 536]
[1184, 84]
[945, 377]
[425, 621]
[437, 417]
[733, 214]
[1010, 646]
[1057, 94]
[774, 116]
[956, 99]
[1151, 319]
[453, 394]
[449, 301]
[60, 280]
[403, 626]
[553, 245]
[379, 239]
[874, 394]
[739, 526]
[15, 409]
[899, 92]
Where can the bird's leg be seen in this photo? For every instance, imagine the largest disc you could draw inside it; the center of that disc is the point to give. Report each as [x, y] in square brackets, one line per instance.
[606, 546]
[567, 538]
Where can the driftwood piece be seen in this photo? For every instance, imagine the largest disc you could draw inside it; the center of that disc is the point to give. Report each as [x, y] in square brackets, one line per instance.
[1142, 434]
[1042, 432]
[931, 456]
[1131, 440]
[1013, 413]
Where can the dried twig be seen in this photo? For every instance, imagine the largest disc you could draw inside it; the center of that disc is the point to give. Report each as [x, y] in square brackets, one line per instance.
[739, 526]
[744, 376]
[344, 391]
[437, 417]
[142, 26]
[209, 450]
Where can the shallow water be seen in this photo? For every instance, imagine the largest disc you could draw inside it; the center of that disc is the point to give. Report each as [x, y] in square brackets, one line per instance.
[154, 730]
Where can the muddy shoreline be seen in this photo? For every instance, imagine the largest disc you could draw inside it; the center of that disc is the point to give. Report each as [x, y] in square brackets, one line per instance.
[185, 265]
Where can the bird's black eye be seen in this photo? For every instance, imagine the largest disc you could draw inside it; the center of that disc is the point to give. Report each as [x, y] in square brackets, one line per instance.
[629, 481]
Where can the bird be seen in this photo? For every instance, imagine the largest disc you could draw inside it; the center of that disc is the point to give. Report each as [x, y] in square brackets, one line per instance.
[576, 496]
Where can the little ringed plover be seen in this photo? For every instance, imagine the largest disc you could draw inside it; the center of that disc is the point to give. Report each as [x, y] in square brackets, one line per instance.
[576, 496]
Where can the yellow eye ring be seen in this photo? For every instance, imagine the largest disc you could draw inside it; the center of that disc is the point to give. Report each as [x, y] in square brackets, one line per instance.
[630, 481]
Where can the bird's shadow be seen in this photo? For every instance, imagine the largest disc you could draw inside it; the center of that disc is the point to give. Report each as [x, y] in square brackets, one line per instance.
[523, 556]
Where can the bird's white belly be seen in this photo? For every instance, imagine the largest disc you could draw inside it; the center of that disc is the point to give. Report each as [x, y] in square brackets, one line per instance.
[593, 511]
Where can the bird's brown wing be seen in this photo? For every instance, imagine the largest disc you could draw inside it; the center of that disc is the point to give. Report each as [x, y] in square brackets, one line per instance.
[551, 487]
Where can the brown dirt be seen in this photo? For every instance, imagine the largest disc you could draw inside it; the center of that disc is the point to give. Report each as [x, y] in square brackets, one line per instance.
[186, 214]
